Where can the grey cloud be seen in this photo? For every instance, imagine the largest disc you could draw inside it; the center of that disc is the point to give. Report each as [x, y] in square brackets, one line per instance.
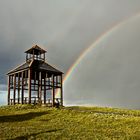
[109, 74]
[3, 87]
[65, 28]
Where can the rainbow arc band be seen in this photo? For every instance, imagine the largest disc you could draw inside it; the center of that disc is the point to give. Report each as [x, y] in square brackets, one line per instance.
[99, 39]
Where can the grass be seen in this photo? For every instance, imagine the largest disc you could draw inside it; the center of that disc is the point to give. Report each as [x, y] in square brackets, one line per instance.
[70, 123]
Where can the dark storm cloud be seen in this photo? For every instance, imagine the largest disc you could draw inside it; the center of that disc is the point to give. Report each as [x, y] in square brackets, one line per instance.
[64, 27]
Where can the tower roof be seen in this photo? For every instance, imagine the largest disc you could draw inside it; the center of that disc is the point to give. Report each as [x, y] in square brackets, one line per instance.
[35, 64]
[36, 50]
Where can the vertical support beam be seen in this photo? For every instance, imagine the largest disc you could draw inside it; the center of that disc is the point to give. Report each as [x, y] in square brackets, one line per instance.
[40, 87]
[38, 84]
[14, 94]
[22, 88]
[29, 86]
[12, 81]
[33, 55]
[25, 79]
[18, 88]
[61, 92]
[49, 83]
[34, 80]
[56, 81]
[53, 92]
[9, 79]
[25, 84]
[12, 86]
[45, 79]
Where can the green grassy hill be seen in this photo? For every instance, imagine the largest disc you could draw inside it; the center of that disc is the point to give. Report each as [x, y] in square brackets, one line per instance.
[69, 123]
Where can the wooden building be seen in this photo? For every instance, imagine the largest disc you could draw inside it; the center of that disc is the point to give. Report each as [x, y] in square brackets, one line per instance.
[35, 81]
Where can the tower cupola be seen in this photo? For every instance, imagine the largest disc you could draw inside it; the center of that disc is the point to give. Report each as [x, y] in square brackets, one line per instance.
[35, 53]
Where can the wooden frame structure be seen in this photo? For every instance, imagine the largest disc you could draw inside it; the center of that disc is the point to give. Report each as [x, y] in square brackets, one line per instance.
[35, 81]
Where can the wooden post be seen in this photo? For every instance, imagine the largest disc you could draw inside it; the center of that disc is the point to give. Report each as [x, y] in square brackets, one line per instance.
[12, 81]
[14, 95]
[61, 92]
[53, 92]
[34, 80]
[56, 81]
[9, 79]
[40, 86]
[45, 79]
[26, 77]
[33, 54]
[18, 87]
[29, 85]
[22, 88]
[49, 83]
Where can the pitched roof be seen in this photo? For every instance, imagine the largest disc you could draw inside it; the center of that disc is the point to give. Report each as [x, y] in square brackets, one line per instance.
[19, 68]
[44, 66]
[36, 50]
[36, 64]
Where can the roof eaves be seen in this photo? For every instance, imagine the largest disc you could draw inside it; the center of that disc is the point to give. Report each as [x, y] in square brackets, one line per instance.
[14, 70]
[54, 67]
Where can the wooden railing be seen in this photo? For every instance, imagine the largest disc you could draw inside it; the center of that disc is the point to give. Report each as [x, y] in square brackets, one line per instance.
[34, 100]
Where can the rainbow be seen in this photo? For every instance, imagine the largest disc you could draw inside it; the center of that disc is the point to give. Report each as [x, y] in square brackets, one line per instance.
[99, 39]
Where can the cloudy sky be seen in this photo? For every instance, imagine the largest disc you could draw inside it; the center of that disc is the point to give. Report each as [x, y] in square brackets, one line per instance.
[65, 28]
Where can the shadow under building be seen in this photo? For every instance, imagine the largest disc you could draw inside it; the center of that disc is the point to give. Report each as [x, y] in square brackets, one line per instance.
[35, 81]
